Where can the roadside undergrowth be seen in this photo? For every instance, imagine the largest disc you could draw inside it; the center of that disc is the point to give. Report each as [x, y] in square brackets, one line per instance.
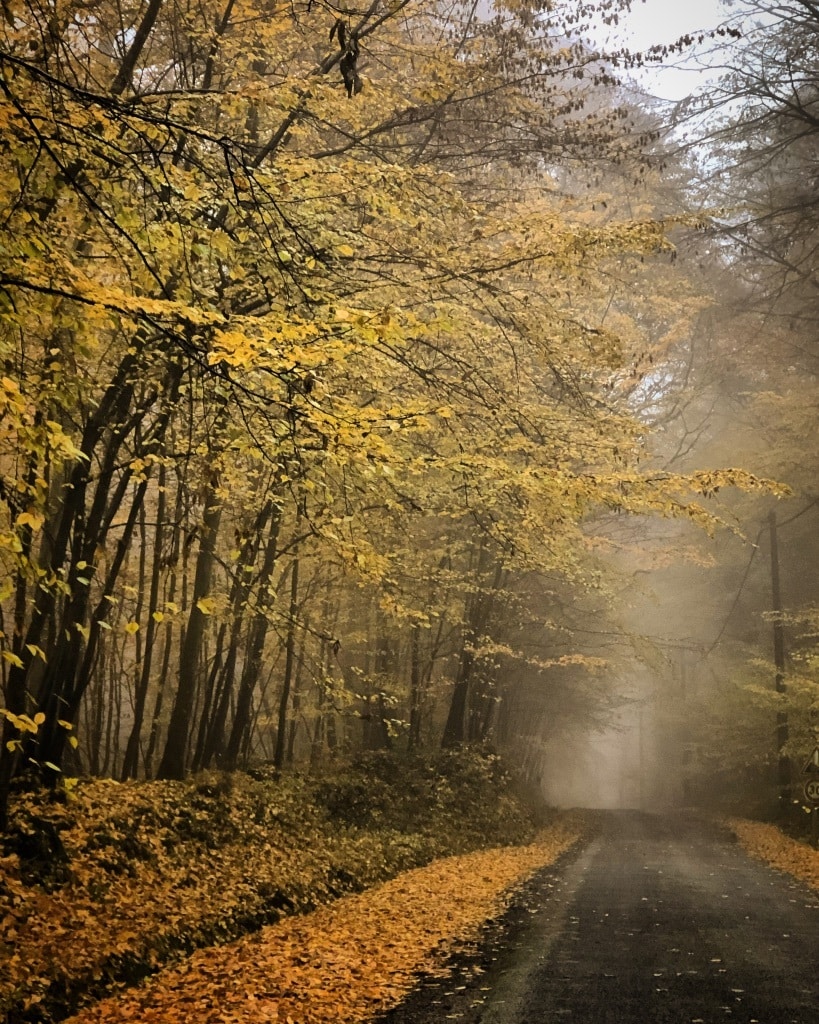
[771, 845]
[347, 962]
[106, 886]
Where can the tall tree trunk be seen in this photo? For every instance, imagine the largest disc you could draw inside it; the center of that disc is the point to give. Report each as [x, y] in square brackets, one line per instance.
[130, 765]
[455, 727]
[220, 685]
[69, 518]
[220, 676]
[289, 664]
[416, 700]
[177, 550]
[329, 649]
[173, 762]
[482, 702]
[479, 611]
[62, 699]
[297, 691]
[14, 692]
[257, 635]
[126, 69]
[79, 533]
[375, 735]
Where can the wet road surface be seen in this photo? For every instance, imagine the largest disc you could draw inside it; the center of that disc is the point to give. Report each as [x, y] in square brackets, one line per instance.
[659, 920]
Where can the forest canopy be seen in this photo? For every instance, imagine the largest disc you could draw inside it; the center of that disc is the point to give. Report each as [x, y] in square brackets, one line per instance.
[323, 349]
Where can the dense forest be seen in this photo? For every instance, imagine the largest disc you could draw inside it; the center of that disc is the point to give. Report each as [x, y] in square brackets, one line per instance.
[402, 376]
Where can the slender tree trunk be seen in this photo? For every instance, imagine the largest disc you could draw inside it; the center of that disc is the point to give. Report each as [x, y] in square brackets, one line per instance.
[162, 677]
[455, 727]
[173, 762]
[374, 735]
[782, 727]
[257, 634]
[220, 685]
[414, 737]
[289, 664]
[126, 69]
[108, 768]
[69, 517]
[297, 691]
[479, 611]
[220, 674]
[61, 699]
[14, 693]
[70, 664]
[130, 765]
[329, 651]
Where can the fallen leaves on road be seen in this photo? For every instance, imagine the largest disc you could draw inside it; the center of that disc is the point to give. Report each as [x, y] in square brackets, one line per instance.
[345, 962]
[768, 843]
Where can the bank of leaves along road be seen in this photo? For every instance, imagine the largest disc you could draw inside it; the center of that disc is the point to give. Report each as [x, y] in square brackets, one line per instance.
[640, 918]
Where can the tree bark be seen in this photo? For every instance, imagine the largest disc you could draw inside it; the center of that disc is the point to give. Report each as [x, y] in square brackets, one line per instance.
[289, 665]
[255, 648]
[130, 764]
[174, 758]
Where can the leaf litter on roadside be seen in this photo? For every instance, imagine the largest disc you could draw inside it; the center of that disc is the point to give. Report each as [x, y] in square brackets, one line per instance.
[345, 962]
[770, 844]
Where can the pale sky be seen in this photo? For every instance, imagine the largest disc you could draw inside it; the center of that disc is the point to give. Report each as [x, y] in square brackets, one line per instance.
[664, 21]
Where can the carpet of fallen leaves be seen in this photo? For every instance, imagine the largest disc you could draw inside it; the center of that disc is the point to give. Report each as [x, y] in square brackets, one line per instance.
[346, 962]
[768, 843]
[141, 874]
[146, 882]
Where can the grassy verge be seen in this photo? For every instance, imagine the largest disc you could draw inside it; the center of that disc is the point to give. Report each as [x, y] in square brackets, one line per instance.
[104, 888]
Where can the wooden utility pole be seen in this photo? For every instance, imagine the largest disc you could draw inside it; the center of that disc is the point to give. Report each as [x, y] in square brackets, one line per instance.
[784, 768]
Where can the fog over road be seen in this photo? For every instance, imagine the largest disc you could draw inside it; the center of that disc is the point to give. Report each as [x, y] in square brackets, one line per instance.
[658, 919]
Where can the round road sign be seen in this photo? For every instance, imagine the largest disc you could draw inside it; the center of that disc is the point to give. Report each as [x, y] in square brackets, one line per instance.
[812, 791]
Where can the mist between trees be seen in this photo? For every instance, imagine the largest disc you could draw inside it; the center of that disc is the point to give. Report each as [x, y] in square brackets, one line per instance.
[397, 375]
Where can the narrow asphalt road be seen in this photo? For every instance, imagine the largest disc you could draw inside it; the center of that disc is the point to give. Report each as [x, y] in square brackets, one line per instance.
[659, 920]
